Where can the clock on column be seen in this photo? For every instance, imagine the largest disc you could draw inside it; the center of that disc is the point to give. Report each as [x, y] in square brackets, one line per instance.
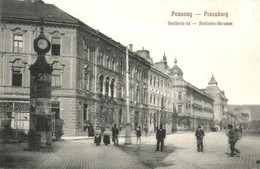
[42, 45]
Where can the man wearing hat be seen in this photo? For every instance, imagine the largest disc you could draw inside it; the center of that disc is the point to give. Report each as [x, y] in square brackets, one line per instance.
[199, 135]
[160, 136]
[232, 139]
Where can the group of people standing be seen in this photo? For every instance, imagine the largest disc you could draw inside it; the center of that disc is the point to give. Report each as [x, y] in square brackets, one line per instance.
[105, 134]
[232, 140]
[160, 136]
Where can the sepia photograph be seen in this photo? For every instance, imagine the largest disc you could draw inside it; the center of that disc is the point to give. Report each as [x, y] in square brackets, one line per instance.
[133, 84]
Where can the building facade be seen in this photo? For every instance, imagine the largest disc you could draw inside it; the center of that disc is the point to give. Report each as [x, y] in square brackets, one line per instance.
[88, 80]
[220, 102]
[192, 106]
[160, 98]
[184, 106]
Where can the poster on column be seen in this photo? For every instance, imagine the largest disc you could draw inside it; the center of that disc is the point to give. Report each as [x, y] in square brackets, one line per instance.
[43, 106]
[186, 72]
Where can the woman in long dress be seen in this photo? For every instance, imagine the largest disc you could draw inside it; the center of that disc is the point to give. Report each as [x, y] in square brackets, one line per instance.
[107, 135]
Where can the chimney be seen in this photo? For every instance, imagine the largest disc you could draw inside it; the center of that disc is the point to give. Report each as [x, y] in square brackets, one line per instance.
[143, 48]
[131, 47]
[39, 1]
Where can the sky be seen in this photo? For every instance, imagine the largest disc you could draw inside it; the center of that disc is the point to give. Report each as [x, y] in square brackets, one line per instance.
[231, 53]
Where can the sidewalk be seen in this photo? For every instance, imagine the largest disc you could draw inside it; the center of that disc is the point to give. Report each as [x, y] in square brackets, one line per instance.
[180, 153]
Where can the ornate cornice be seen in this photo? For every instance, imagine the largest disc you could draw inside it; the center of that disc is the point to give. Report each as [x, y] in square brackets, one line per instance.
[18, 63]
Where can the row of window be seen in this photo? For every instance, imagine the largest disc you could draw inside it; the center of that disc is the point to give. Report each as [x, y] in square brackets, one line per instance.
[89, 52]
[151, 96]
[110, 63]
[158, 83]
[17, 79]
[12, 113]
[18, 44]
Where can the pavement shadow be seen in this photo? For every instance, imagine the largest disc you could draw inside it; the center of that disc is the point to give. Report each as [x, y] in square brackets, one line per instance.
[148, 156]
[15, 155]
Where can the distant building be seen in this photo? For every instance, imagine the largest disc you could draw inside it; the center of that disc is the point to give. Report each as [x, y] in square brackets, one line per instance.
[184, 104]
[220, 101]
[242, 114]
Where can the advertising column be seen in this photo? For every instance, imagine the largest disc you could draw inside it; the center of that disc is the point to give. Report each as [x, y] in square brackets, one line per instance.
[40, 133]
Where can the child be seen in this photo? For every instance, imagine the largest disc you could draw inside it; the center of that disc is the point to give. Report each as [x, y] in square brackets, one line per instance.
[199, 135]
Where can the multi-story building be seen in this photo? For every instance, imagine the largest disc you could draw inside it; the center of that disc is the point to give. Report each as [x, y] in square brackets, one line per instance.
[184, 106]
[89, 76]
[160, 97]
[192, 106]
[220, 101]
[89, 69]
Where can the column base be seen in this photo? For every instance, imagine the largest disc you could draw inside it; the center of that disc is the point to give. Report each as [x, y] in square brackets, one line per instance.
[128, 133]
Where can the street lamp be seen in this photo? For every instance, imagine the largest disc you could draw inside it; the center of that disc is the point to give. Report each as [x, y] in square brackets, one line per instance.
[128, 130]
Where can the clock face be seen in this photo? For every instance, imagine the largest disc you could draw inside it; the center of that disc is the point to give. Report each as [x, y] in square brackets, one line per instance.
[42, 43]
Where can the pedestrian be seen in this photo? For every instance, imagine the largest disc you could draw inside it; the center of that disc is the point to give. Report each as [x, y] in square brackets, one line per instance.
[87, 129]
[138, 134]
[115, 132]
[232, 139]
[90, 130]
[97, 138]
[107, 133]
[199, 135]
[160, 136]
[102, 129]
[120, 127]
[146, 131]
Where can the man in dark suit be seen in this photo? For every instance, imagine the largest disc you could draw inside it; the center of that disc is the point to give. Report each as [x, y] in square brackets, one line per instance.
[232, 139]
[115, 132]
[160, 136]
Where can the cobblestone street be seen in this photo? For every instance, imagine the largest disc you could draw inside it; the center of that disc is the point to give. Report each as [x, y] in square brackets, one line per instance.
[180, 153]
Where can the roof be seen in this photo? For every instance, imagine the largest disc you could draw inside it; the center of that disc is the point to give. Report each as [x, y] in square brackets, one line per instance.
[176, 70]
[201, 91]
[214, 89]
[33, 11]
[213, 81]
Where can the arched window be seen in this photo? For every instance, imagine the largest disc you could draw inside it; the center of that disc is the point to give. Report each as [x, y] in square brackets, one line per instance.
[112, 87]
[101, 79]
[107, 61]
[107, 86]
[120, 116]
[101, 59]
[113, 63]
[120, 67]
